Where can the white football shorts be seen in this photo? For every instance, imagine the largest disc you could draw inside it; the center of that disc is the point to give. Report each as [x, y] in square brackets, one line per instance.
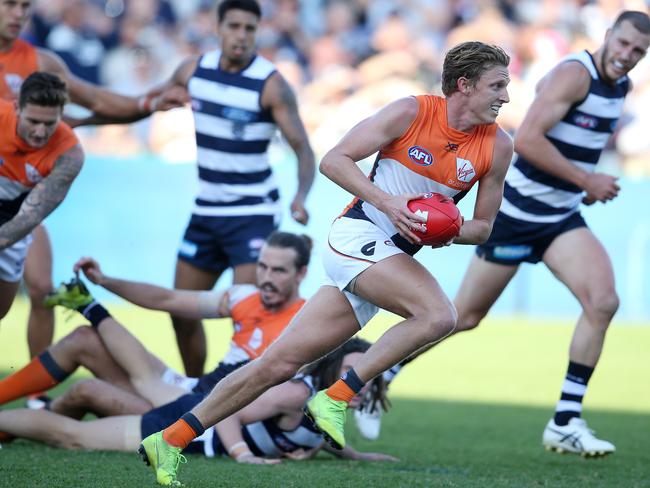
[353, 246]
[12, 260]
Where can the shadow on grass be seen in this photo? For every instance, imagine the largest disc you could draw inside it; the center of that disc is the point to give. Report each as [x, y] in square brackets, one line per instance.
[439, 444]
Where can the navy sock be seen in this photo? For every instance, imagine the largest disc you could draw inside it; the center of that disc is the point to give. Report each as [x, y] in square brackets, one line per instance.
[94, 312]
[351, 379]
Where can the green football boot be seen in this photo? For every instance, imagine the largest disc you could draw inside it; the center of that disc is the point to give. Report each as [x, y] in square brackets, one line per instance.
[72, 295]
[163, 458]
[328, 416]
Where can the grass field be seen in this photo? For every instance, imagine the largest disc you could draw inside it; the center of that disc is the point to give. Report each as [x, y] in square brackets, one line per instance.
[468, 414]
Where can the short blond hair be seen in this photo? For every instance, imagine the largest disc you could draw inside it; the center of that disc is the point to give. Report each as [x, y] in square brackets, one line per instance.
[470, 60]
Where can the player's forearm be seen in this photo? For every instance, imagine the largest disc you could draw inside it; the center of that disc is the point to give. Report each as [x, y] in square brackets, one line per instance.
[306, 171]
[474, 232]
[17, 228]
[539, 152]
[344, 172]
[141, 294]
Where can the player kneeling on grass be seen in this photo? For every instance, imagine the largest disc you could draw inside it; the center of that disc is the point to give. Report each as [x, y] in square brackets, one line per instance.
[268, 429]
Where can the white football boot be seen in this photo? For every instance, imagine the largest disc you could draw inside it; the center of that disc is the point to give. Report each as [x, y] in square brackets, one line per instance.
[368, 418]
[575, 437]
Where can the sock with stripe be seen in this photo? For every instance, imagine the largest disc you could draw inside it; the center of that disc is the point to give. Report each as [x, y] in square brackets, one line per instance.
[573, 390]
[41, 374]
[94, 312]
[346, 388]
[183, 431]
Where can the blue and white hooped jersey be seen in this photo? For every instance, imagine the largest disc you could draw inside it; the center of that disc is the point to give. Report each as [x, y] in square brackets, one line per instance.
[533, 195]
[233, 133]
[264, 437]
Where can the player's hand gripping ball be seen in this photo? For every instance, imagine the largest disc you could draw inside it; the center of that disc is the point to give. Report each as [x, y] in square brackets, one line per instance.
[443, 218]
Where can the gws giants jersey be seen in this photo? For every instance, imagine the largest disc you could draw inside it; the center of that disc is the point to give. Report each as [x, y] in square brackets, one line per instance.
[23, 166]
[255, 326]
[535, 196]
[233, 132]
[16, 64]
[429, 157]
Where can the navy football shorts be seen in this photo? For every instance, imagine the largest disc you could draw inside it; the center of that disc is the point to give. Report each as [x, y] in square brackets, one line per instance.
[218, 243]
[516, 241]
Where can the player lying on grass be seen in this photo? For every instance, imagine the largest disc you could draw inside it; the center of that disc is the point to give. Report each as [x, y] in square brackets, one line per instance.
[272, 427]
[259, 315]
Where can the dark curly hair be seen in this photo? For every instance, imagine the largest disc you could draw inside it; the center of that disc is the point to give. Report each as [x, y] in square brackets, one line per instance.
[327, 370]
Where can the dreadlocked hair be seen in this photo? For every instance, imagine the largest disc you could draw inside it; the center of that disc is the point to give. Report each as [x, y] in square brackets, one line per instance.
[327, 370]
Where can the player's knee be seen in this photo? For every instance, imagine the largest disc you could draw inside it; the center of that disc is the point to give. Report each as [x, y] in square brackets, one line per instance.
[38, 288]
[468, 321]
[82, 393]
[83, 339]
[603, 305]
[438, 324]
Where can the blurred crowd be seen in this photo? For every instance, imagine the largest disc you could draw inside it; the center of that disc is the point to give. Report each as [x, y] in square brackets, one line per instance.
[345, 58]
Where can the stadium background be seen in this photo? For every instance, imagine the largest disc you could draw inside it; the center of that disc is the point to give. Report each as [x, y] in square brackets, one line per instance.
[345, 60]
[469, 414]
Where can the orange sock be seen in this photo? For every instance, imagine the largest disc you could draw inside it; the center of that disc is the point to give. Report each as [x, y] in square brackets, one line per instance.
[340, 392]
[33, 378]
[179, 434]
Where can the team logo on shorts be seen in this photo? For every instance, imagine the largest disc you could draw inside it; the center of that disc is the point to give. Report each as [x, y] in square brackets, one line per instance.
[420, 156]
[369, 249]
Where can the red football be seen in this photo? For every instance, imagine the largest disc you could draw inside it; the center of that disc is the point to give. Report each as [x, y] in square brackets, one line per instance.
[443, 218]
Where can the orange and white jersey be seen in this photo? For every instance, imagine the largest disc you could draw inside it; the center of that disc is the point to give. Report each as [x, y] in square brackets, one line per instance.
[255, 326]
[23, 166]
[16, 64]
[429, 157]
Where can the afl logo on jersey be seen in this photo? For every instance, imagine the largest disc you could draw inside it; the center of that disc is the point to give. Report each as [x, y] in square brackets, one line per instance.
[420, 156]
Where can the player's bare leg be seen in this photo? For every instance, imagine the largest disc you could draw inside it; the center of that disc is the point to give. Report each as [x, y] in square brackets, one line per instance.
[8, 290]
[100, 398]
[143, 369]
[324, 322]
[112, 433]
[82, 347]
[190, 335]
[579, 260]
[38, 280]
[482, 285]
[244, 273]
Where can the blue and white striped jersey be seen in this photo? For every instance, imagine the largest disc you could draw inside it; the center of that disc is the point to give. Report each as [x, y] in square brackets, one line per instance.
[535, 196]
[264, 437]
[233, 132]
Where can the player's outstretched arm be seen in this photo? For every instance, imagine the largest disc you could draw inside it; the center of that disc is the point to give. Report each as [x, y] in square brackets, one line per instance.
[279, 96]
[363, 140]
[489, 195]
[182, 303]
[109, 107]
[564, 86]
[286, 399]
[43, 198]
